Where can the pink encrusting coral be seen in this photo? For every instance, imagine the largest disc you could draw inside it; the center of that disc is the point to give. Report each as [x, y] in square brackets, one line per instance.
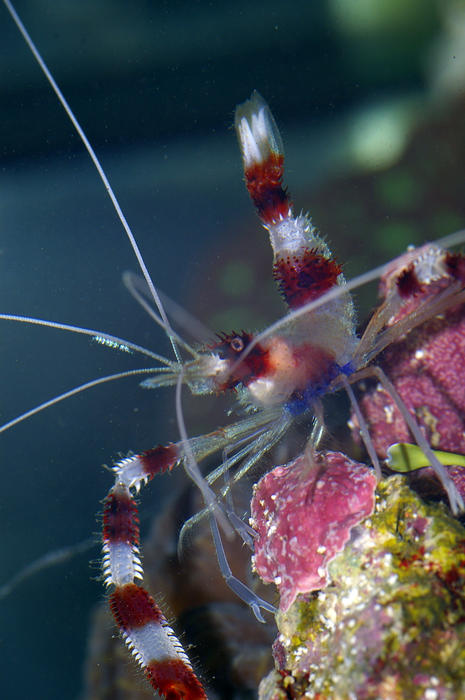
[425, 369]
[303, 513]
[426, 366]
[391, 624]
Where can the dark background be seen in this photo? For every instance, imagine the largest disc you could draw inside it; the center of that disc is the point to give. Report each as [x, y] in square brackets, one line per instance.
[154, 85]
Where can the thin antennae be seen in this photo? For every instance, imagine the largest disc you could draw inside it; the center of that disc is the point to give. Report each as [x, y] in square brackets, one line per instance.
[57, 556]
[78, 390]
[452, 239]
[98, 167]
[363, 427]
[88, 331]
[190, 463]
[187, 321]
[130, 282]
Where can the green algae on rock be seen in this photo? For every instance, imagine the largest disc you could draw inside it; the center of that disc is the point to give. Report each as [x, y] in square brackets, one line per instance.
[391, 624]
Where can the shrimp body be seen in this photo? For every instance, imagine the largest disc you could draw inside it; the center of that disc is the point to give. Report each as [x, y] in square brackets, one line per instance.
[317, 348]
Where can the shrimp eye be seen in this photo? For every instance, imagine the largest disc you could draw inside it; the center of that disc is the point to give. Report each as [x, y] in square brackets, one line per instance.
[231, 345]
[237, 344]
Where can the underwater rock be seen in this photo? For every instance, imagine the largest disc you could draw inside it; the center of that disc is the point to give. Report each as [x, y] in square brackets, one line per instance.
[391, 624]
[303, 513]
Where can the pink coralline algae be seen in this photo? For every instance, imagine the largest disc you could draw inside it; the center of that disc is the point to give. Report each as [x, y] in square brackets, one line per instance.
[303, 513]
[427, 368]
[391, 625]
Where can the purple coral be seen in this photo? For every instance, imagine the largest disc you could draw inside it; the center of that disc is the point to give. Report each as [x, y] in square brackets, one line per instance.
[425, 366]
[303, 513]
[425, 369]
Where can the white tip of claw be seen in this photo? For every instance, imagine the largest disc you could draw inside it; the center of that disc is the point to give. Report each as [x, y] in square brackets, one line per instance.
[256, 130]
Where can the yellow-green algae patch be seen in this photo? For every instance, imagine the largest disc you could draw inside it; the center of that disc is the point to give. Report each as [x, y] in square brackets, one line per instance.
[391, 624]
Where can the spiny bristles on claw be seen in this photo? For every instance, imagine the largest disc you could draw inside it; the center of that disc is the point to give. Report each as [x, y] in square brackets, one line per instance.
[120, 518]
[154, 644]
[305, 276]
[133, 608]
[141, 622]
[303, 265]
[121, 562]
[137, 470]
[174, 681]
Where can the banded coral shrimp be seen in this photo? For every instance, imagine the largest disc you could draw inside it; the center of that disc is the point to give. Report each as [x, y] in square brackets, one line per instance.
[96, 450]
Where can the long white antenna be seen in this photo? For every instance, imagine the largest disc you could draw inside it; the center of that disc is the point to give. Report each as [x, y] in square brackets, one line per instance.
[99, 168]
[99, 336]
[78, 390]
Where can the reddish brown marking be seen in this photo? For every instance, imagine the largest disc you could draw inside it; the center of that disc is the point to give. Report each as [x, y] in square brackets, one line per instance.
[407, 283]
[305, 277]
[175, 680]
[256, 363]
[120, 519]
[455, 263]
[264, 183]
[316, 364]
[407, 562]
[133, 607]
[159, 459]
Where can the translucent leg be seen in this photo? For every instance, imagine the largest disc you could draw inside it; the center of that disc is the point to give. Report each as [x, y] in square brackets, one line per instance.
[455, 499]
[192, 468]
[252, 453]
[240, 589]
[364, 432]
